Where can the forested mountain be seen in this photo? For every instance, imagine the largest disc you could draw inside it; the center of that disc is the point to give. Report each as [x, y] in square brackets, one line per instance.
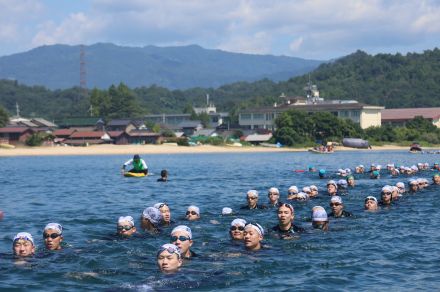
[58, 66]
[390, 80]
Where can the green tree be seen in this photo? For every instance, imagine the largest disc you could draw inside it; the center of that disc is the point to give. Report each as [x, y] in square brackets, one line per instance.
[4, 117]
[123, 102]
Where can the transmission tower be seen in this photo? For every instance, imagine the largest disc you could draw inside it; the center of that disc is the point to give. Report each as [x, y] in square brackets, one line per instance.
[82, 72]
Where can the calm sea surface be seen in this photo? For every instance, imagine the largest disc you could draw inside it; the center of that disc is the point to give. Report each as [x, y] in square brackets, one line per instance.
[395, 249]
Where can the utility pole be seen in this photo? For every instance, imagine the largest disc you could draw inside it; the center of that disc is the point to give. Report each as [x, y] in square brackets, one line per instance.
[82, 72]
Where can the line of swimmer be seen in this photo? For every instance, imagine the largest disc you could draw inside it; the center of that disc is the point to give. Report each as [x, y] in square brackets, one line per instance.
[171, 256]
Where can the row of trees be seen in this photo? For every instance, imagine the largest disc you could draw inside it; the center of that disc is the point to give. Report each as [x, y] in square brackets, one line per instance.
[4, 117]
[298, 128]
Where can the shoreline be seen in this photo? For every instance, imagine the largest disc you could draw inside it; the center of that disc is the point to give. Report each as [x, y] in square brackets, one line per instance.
[110, 149]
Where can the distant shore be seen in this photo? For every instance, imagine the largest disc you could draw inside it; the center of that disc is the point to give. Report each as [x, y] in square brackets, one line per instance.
[108, 149]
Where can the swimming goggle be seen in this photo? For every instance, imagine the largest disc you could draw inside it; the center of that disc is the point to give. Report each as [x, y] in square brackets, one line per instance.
[239, 228]
[162, 205]
[191, 212]
[126, 228]
[180, 238]
[171, 249]
[53, 235]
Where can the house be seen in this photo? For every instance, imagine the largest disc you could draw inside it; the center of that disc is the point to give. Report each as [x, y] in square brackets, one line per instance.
[205, 132]
[62, 134]
[399, 116]
[189, 127]
[119, 137]
[82, 124]
[42, 123]
[81, 138]
[144, 137]
[258, 138]
[15, 135]
[121, 125]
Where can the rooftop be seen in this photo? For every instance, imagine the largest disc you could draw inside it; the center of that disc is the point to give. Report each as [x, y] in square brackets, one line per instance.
[398, 114]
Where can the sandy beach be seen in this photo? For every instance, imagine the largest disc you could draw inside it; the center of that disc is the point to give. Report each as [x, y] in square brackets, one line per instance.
[159, 149]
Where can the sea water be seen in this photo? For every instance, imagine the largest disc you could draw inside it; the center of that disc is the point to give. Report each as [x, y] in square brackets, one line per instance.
[396, 248]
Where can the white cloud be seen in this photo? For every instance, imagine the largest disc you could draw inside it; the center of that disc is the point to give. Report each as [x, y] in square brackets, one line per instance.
[314, 29]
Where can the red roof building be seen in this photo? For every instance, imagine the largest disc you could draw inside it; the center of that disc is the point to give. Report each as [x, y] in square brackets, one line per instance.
[15, 135]
[399, 116]
[87, 138]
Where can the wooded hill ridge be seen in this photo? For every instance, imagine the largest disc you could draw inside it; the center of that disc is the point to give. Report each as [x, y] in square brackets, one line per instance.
[393, 81]
[183, 67]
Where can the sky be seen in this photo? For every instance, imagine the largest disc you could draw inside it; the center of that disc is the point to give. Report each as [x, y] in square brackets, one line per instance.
[311, 29]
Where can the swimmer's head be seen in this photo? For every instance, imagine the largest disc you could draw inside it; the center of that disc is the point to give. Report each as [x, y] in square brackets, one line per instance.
[126, 226]
[226, 211]
[253, 235]
[193, 213]
[165, 211]
[151, 218]
[370, 203]
[53, 236]
[236, 231]
[319, 218]
[181, 236]
[23, 244]
[169, 258]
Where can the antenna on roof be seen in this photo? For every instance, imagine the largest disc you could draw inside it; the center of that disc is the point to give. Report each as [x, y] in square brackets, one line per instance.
[17, 108]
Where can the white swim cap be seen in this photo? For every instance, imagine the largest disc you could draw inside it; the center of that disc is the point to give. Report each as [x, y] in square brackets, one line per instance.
[239, 222]
[169, 247]
[274, 190]
[313, 188]
[336, 199]
[226, 211]
[293, 189]
[126, 219]
[252, 193]
[194, 208]
[54, 226]
[183, 228]
[319, 214]
[25, 236]
[306, 189]
[255, 226]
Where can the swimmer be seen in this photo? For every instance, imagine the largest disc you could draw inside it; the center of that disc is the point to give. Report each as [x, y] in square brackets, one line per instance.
[312, 168]
[151, 219]
[370, 203]
[138, 164]
[436, 179]
[319, 218]
[321, 173]
[274, 196]
[292, 192]
[126, 226]
[163, 176]
[342, 186]
[332, 188]
[181, 236]
[338, 208]
[252, 201]
[401, 187]
[236, 231]
[285, 228]
[421, 183]
[395, 172]
[375, 174]
[314, 191]
[193, 213]
[23, 245]
[226, 211]
[413, 186]
[253, 235]
[436, 166]
[386, 196]
[395, 193]
[307, 190]
[53, 236]
[350, 181]
[168, 258]
[359, 169]
[166, 213]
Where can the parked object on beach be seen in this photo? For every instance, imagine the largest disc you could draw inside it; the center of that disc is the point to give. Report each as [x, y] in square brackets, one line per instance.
[356, 143]
[6, 146]
[317, 151]
[415, 148]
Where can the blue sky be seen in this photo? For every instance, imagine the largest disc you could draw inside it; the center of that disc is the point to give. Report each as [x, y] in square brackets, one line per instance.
[313, 29]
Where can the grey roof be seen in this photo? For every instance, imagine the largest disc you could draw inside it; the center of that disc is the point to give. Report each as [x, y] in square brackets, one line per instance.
[327, 106]
[190, 124]
[117, 122]
[43, 122]
[204, 132]
[258, 138]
